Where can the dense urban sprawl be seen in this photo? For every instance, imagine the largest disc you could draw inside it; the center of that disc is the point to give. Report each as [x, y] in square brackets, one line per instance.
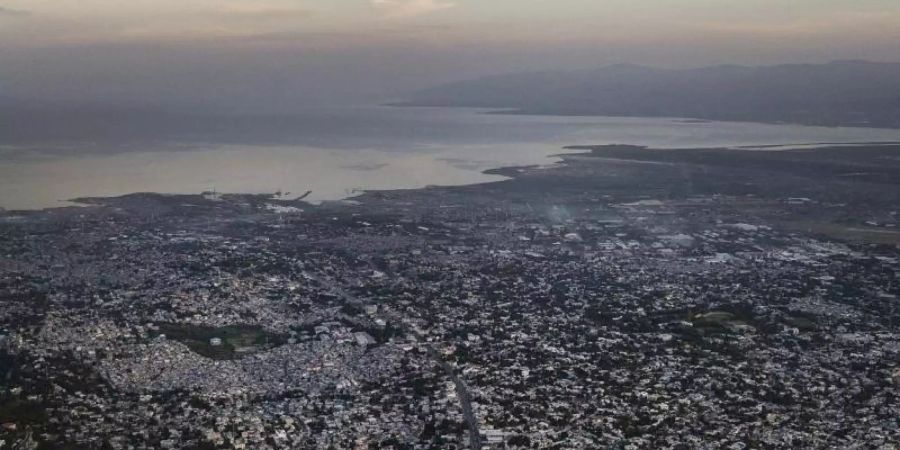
[643, 303]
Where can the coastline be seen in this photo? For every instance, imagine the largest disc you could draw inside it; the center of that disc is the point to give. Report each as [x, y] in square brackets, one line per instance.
[590, 167]
[508, 111]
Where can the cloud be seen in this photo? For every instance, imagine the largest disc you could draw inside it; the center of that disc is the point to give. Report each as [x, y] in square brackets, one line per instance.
[9, 12]
[410, 8]
[264, 11]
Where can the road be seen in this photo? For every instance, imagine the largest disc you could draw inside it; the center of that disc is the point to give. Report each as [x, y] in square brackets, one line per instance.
[465, 399]
[462, 391]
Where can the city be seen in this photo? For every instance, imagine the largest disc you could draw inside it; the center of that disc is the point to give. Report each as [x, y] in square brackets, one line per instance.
[626, 298]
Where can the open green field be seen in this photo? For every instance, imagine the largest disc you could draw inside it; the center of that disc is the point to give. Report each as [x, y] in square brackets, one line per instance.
[237, 340]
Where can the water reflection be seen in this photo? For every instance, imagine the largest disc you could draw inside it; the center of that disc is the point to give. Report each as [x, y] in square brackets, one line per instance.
[409, 148]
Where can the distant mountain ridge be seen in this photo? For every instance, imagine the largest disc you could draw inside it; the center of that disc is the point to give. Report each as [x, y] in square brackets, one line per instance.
[852, 93]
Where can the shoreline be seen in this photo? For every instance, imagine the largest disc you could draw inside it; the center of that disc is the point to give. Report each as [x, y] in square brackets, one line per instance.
[509, 173]
[503, 111]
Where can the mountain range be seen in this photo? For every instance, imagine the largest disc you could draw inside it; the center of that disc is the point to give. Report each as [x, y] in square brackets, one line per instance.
[845, 93]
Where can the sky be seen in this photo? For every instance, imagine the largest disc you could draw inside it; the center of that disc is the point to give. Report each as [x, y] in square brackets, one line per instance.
[276, 54]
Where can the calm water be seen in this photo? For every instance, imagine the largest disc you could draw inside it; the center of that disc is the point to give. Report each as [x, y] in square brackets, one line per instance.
[334, 152]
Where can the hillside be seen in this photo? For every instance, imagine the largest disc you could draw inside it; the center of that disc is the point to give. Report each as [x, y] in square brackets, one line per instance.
[840, 93]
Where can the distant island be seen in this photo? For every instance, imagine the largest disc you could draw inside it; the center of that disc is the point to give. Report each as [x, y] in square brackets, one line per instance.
[842, 93]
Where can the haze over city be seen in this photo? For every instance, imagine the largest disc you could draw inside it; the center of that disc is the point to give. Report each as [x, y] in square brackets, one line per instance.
[272, 55]
[449, 224]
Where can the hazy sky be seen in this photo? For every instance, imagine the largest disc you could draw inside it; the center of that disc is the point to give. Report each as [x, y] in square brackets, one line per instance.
[279, 52]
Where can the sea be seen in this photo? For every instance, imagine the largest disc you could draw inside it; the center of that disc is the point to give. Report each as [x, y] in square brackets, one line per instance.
[338, 152]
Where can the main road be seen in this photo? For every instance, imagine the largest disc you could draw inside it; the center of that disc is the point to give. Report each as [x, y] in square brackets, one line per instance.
[462, 391]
